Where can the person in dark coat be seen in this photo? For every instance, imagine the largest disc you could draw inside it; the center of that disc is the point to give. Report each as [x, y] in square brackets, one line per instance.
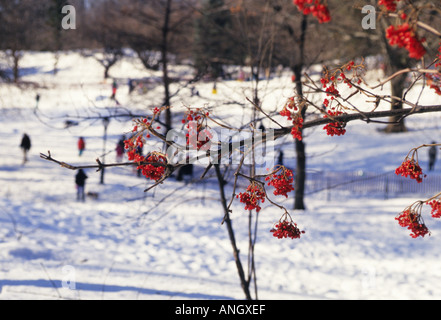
[280, 158]
[80, 181]
[432, 157]
[25, 145]
[131, 85]
[186, 170]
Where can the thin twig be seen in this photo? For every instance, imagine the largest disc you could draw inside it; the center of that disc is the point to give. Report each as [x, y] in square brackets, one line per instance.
[266, 115]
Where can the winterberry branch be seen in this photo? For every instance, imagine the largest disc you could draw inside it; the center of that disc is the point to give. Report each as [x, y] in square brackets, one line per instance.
[404, 71]
[100, 165]
[345, 118]
[264, 113]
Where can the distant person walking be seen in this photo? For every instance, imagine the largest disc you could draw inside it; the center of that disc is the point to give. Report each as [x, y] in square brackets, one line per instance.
[81, 146]
[25, 145]
[114, 88]
[37, 100]
[432, 157]
[120, 149]
[80, 181]
[131, 85]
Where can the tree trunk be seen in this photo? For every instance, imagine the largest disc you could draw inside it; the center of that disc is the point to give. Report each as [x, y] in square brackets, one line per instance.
[299, 203]
[164, 57]
[16, 59]
[106, 71]
[397, 123]
[56, 61]
[396, 60]
[244, 283]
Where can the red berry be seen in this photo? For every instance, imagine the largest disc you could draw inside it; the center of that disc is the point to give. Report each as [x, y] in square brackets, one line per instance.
[334, 128]
[404, 36]
[413, 222]
[155, 169]
[286, 229]
[436, 208]
[314, 7]
[390, 5]
[410, 168]
[283, 182]
[252, 197]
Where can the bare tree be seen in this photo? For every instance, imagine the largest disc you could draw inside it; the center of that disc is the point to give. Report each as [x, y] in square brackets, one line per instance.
[22, 28]
[100, 24]
[157, 26]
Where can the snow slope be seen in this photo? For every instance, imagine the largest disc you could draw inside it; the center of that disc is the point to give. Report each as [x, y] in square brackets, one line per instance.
[169, 243]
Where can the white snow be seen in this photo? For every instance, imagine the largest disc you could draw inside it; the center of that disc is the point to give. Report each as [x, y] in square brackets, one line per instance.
[169, 243]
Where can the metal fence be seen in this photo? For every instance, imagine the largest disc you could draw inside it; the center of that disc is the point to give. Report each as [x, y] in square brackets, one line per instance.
[344, 184]
[370, 184]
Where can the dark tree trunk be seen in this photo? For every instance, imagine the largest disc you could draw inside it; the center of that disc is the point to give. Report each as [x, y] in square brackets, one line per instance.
[299, 202]
[15, 71]
[106, 71]
[397, 60]
[397, 122]
[164, 57]
[244, 283]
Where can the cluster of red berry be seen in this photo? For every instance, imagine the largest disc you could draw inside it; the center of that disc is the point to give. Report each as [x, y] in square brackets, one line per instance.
[283, 182]
[349, 74]
[436, 208]
[138, 139]
[292, 112]
[289, 109]
[413, 221]
[153, 167]
[332, 91]
[197, 115]
[296, 130]
[252, 197]
[390, 5]
[334, 128]
[410, 168]
[314, 7]
[286, 229]
[404, 36]
[330, 80]
[198, 135]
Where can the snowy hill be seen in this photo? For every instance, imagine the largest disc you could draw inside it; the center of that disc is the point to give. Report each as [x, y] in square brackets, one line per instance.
[169, 243]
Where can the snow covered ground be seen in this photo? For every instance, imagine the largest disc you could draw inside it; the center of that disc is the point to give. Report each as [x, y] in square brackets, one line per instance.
[169, 243]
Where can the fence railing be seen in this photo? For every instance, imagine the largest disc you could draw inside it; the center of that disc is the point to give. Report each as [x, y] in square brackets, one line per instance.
[346, 184]
[361, 183]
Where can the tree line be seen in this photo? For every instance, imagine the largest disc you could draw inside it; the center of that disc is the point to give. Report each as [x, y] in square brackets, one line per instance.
[208, 34]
